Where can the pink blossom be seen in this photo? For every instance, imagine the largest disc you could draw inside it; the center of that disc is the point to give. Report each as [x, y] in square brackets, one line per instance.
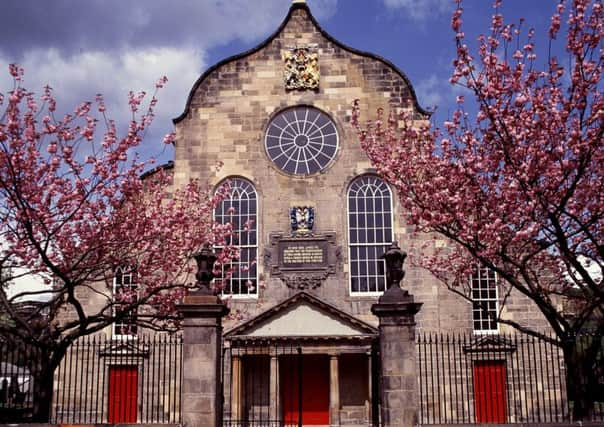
[74, 208]
[518, 187]
[169, 138]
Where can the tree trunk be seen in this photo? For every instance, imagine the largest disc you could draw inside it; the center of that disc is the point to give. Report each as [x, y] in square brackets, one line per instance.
[43, 375]
[581, 355]
[44, 362]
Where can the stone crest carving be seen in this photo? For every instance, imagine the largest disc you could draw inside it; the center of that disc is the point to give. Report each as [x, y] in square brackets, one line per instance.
[305, 282]
[301, 68]
[302, 220]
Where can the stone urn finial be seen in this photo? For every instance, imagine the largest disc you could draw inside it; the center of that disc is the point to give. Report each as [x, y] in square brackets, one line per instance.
[205, 259]
[395, 258]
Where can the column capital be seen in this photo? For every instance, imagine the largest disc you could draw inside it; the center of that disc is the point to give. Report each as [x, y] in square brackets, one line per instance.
[202, 306]
[396, 302]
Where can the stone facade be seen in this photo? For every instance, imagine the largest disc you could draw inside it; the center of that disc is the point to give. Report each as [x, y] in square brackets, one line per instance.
[225, 120]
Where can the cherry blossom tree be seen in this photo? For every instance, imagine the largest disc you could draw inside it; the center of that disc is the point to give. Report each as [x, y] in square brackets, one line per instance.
[73, 208]
[517, 186]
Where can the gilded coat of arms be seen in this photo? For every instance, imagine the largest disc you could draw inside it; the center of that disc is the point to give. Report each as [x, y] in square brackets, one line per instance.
[302, 219]
[301, 68]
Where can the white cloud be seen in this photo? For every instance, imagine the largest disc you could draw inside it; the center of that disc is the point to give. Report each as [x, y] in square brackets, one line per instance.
[80, 77]
[114, 74]
[28, 283]
[420, 10]
[129, 47]
[430, 91]
[323, 9]
[22, 281]
[592, 267]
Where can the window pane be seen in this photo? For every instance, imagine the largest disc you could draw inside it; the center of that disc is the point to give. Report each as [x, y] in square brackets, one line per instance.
[124, 286]
[242, 200]
[352, 221]
[370, 230]
[484, 307]
[301, 140]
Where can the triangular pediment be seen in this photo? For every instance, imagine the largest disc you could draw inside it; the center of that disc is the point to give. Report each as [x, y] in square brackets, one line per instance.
[490, 343]
[303, 316]
[130, 348]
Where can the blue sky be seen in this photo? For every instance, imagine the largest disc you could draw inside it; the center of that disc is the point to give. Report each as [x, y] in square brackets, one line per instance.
[112, 46]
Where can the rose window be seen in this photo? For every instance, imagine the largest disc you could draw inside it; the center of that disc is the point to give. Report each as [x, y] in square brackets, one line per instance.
[301, 141]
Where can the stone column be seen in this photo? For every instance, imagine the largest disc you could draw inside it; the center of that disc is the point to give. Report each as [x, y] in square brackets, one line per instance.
[202, 344]
[274, 389]
[369, 408]
[396, 311]
[236, 382]
[334, 391]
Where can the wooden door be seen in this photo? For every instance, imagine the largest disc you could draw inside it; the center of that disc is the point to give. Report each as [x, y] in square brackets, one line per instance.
[123, 399]
[310, 374]
[490, 391]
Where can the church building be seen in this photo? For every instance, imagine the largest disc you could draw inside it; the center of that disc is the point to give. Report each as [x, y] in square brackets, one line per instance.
[313, 220]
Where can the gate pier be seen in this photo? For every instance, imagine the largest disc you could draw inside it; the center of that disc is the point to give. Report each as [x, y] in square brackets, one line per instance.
[202, 341]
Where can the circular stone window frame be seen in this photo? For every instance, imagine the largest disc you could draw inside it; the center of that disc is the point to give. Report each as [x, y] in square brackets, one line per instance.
[319, 167]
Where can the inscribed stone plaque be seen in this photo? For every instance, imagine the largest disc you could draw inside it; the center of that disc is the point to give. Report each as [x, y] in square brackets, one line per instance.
[302, 255]
[302, 262]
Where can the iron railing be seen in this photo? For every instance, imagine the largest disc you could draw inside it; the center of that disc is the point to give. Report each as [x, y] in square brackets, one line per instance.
[503, 378]
[127, 380]
[16, 382]
[281, 384]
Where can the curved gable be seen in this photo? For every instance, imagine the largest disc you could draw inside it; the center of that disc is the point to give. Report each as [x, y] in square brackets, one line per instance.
[302, 10]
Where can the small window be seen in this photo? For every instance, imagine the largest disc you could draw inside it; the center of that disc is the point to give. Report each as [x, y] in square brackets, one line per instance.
[240, 209]
[485, 304]
[369, 233]
[125, 287]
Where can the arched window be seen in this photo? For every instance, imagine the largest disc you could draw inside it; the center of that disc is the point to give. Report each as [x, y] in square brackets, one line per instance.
[240, 209]
[369, 233]
[124, 286]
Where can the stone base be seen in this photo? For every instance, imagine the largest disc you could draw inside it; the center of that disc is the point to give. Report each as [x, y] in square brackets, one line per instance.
[195, 298]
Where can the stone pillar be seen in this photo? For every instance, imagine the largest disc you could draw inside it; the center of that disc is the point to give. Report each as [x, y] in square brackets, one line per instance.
[396, 311]
[274, 389]
[236, 382]
[369, 405]
[334, 391]
[202, 344]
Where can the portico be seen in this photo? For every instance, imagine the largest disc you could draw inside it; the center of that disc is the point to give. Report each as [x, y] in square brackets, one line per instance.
[303, 362]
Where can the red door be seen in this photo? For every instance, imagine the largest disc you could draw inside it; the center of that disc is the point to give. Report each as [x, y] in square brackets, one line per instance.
[123, 381]
[314, 376]
[490, 391]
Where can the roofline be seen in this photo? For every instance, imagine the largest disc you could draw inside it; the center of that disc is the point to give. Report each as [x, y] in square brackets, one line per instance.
[236, 339]
[295, 6]
[165, 166]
